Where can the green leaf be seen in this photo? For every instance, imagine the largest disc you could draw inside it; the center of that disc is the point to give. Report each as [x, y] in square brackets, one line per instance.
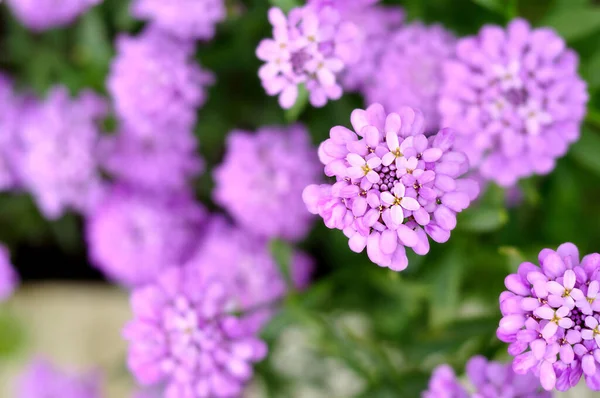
[586, 151]
[285, 5]
[575, 22]
[282, 253]
[492, 5]
[93, 48]
[514, 257]
[12, 335]
[445, 294]
[591, 71]
[483, 219]
[292, 114]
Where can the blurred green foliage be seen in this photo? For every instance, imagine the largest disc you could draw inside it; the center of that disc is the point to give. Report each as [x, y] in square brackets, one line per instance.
[443, 308]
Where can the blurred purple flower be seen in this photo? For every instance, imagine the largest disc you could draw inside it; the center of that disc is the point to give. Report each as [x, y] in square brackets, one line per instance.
[376, 23]
[409, 70]
[56, 157]
[39, 15]
[134, 234]
[393, 185]
[9, 114]
[43, 379]
[550, 318]
[488, 379]
[186, 19]
[444, 384]
[8, 277]
[184, 336]
[261, 179]
[515, 97]
[156, 83]
[310, 46]
[158, 161]
[243, 262]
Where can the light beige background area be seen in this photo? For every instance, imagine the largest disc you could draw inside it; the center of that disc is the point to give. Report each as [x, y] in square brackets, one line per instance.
[78, 326]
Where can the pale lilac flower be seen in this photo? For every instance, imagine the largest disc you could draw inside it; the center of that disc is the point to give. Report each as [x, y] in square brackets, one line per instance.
[158, 161]
[394, 186]
[311, 46]
[487, 379]
[550, 320]
[57, 152]
[515, 98]
[245, 265]
[590, 303]
[43, 379]
[186, 19]
[8, 277]
[261, 179]
[184, 337]
[593, 331]
[132, 235]
[41, 15]
[410, 70]
[155, 82]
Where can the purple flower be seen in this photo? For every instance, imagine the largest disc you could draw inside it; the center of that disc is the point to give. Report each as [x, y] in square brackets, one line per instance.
[186, 19]
[132, 235]
[155, 82]
[56, 156]
[41, 15]
[311, 46]
[410, 70]
[444, 384]
[261, 179]
[515, 97]
[8, 277]
[43, 379]
[377, 24]
[156, 161]
[9, 114]
[550, 318]
[394, 186]
[488, 379]
[184, 336]
[243, 262]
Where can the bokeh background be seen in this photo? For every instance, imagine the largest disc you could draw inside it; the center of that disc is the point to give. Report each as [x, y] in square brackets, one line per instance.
[359, 330]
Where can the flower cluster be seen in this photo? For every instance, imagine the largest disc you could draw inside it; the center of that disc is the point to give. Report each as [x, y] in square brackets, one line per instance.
[41, 15]
[410, 70]
[247, 268]
[489, 379]
[133, 234]
[377, 24]
[550, 318]
[515, 97]
[43, 379]
[262, 178]
[155, 83]
[56, 151]
[158, 161]
[394, 186]
[184, 337]
[311, 46]
[8, 277]
[186, 19]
